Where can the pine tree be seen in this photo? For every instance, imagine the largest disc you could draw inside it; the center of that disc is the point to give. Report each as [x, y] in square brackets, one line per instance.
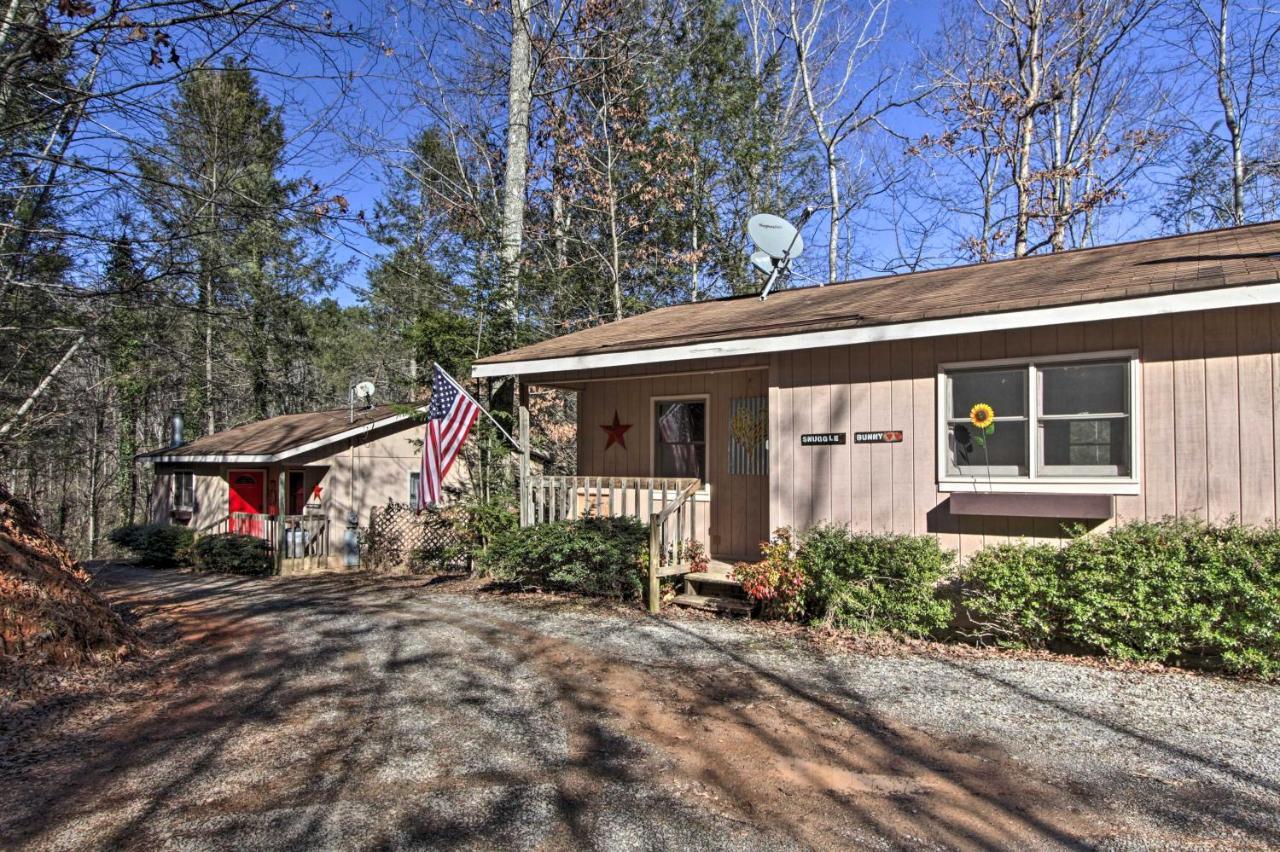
[229, 228]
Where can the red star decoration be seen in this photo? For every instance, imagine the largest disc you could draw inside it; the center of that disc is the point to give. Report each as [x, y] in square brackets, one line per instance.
[617, 432]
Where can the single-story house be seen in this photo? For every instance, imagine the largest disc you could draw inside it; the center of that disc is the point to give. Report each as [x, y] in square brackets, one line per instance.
[314, 469]
[1130, 381]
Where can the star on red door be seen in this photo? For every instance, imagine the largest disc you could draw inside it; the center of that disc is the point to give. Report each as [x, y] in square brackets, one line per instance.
[616, 431]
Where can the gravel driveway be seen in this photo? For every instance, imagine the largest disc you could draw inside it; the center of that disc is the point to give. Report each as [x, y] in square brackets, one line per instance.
[359, 712]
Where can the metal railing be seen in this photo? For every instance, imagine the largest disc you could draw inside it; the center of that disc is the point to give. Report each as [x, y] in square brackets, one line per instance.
[668, 504]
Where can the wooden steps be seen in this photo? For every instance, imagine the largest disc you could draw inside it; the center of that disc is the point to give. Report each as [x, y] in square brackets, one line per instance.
[714, 603]
[714, 590]
[707, 578]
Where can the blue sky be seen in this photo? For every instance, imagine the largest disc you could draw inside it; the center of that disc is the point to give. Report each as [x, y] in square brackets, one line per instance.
[378, 106]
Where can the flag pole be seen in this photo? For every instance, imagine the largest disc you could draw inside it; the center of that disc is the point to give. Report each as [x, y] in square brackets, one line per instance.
[483, 410]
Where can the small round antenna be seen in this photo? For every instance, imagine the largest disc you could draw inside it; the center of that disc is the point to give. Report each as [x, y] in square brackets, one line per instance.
[762, 261]
[778, 242]
[364, 391]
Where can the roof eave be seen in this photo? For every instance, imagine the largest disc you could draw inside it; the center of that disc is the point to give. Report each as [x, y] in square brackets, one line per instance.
[1267, 292]
[283, 455]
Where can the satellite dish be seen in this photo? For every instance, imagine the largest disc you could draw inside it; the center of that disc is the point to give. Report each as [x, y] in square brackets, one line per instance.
[762, 261]
[775, 236]
[778, 242]
[364, 390]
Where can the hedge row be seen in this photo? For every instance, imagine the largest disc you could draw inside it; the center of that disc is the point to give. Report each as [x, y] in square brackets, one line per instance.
[155, 545]
[1176, 591]
[164, 546]
[1179, 591]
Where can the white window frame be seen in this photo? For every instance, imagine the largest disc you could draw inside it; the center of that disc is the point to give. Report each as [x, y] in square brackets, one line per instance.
[1035, 482]
[177, 492]
[411, 495]
[705, 492]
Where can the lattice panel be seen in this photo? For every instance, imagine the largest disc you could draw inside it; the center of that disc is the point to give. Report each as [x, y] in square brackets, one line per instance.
[396, 531]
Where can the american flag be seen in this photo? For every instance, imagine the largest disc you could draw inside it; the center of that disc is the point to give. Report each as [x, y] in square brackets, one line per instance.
[450, 416]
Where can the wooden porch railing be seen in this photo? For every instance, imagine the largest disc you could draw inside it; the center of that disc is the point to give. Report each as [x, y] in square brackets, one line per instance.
[304, 535]
[667, 503]
[218, 526]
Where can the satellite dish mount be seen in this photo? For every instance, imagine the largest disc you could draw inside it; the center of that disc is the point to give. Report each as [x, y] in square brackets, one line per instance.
[778, 242]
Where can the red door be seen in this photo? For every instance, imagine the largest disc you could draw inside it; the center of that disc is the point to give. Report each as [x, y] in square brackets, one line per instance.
[247, 492]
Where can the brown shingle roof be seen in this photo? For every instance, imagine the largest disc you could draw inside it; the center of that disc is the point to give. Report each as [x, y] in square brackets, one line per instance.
[1212, 259]
[281, 434]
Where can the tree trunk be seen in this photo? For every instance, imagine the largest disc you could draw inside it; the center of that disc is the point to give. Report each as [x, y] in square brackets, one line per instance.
[1030, 72]
[519, 95]
[35, 395]
[1231, 119]
[833, 191]
[133, 477]
[696, 264]
[94, 460]
[615, 252]
[211, 422]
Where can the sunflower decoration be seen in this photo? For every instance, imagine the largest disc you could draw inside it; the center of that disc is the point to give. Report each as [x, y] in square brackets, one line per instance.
[983, 417]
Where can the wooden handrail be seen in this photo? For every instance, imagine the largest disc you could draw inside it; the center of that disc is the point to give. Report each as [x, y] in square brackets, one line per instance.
[656, 522]
[221, 522]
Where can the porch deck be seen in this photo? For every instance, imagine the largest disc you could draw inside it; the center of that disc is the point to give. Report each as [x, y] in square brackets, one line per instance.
[301, 544]
[677, 530]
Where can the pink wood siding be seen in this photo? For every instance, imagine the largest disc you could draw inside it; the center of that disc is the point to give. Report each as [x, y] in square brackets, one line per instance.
[738, 504]
[1210, 382]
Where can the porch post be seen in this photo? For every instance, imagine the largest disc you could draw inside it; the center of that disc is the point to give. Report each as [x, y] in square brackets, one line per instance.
[526, 510]
[655, 555]
[281, 532]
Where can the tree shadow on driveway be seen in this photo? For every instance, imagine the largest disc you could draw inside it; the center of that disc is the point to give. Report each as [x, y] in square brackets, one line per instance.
[342, 711]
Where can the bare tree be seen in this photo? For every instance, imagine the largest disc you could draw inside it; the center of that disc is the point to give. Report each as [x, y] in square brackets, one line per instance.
[844, 87]
[1227, 97]
[1044, 100]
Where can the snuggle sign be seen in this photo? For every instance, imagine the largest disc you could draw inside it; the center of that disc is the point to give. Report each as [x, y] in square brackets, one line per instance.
[822, 439]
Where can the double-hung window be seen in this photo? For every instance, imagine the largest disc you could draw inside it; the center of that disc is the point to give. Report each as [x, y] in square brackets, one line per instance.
[1067, 424]
[184, 490]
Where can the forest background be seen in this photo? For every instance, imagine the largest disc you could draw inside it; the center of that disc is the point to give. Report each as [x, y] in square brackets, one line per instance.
[238, 210]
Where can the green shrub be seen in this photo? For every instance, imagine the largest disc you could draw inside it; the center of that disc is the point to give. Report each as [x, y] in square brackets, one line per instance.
[1174, 591]
[478, 522]
[435, 556]
[595, 556]
[777, 582]
[231, 553]
[1011, 594]
[874, 582]
[155, 545]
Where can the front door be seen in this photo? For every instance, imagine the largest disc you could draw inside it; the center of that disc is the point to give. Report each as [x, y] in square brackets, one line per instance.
[297, 492]
[247, 501]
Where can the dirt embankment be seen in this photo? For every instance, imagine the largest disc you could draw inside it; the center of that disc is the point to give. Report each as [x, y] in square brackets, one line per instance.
[49, 615]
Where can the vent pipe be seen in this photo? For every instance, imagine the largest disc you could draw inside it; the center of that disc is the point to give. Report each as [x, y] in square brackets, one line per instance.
[175, 430]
